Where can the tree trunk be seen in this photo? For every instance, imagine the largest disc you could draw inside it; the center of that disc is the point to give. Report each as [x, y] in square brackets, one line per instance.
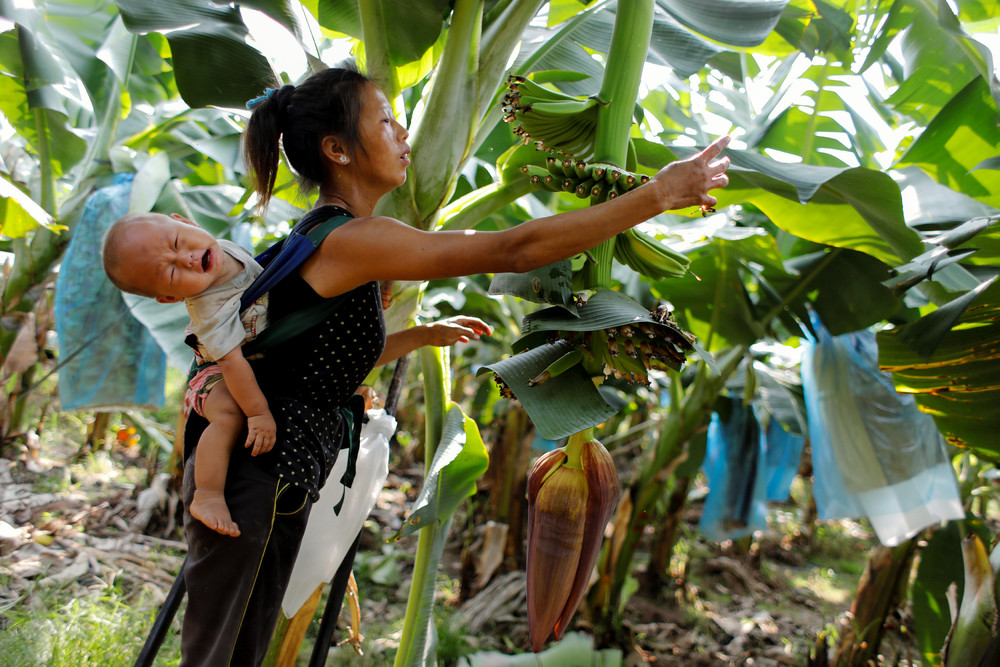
[881, 588]
[658, 570]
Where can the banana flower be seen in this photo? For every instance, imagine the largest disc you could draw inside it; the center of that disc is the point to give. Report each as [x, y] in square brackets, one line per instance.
[571, 495]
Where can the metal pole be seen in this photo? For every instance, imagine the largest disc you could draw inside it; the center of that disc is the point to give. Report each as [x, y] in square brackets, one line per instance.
[163, 619]
[331, 613]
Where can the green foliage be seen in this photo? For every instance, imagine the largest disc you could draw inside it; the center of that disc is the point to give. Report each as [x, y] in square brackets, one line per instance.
[824, 229]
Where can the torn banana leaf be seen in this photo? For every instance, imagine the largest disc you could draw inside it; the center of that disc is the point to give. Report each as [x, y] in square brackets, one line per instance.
[565, 404]
[552, 284]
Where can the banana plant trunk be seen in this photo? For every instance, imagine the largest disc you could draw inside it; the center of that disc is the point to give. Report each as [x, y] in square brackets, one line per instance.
[882, 587]
[658, 571]
[35, 259]
[687, 413]
[507, 476]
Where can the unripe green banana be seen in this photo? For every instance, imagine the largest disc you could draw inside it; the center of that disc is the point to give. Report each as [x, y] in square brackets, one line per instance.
[552, 163]
[583, 188]
[552, 119]
[649, 257]
[540, 176]
[598, 189]
[520, 85]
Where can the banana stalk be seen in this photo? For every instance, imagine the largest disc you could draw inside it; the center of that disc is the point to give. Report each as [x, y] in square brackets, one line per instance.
[571, 495]
[619, 89]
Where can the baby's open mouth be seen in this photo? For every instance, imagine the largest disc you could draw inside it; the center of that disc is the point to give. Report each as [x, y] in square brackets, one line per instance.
[206, 259]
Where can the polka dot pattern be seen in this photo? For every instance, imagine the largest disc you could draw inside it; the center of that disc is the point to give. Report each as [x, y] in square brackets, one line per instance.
[308, 377]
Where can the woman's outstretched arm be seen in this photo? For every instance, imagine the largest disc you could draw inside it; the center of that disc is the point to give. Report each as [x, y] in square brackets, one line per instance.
[381, 248]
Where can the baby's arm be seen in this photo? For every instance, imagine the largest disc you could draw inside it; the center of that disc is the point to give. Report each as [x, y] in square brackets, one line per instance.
[242, 384]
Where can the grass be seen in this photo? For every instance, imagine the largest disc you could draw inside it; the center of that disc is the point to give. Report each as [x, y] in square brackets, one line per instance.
[104, 630]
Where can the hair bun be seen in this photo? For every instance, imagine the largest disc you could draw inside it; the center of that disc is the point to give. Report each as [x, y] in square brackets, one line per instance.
[283, 98]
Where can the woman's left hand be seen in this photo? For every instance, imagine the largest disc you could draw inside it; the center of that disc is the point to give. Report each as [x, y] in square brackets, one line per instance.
[458, 329]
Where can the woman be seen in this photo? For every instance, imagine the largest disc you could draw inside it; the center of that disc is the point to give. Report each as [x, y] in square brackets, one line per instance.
[339, 134]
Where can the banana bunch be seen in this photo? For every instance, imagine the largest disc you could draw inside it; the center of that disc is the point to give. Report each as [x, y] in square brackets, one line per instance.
[597, 180]
[626, 352]
[553, 120]
[648, 256]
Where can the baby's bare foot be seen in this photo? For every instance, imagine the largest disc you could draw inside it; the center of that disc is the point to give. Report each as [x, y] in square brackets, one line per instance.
[209, 507]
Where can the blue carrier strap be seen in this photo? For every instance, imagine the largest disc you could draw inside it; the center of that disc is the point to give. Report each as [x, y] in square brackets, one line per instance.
[279, 261]
[287, 255]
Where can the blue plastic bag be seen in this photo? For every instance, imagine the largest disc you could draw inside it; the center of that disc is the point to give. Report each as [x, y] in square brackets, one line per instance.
[108, 359]
[874, 453]
[782, 452]
[734, 467]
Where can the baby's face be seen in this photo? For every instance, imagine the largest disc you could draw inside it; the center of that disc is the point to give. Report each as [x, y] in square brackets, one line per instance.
[172, 258]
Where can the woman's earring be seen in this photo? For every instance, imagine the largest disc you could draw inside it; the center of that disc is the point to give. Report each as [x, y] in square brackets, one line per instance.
[343, 158]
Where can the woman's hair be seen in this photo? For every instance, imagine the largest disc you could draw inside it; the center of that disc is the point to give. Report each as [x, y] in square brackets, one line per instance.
[327, 103]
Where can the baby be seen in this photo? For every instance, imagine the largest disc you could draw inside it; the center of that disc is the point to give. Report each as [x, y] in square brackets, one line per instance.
[171, 259]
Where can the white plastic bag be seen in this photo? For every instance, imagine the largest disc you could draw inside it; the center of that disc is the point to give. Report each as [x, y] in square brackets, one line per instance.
[328, 536]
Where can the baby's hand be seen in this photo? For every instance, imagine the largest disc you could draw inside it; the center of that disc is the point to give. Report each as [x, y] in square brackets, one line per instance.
[261, 431]
[370, 395]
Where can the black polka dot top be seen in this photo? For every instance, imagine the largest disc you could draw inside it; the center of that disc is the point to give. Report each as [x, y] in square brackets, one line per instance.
[307, 377]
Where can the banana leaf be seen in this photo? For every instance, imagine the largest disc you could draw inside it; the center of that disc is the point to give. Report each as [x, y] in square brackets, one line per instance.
[865, 203]
[928, 203]
[413, 26]
[19, 213]
[565, 404]
[939, 262]
[957, 384]
[552, 284]
[736, 22]
[964, 133]
[573, 649]
[34, 84]
[939, 567]
[213, 63]
[604, 309]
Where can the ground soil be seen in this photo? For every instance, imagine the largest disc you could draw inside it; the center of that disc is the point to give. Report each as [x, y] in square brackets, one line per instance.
[773, 600]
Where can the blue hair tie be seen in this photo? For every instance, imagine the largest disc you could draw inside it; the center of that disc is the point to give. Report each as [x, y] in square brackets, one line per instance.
[257, 100]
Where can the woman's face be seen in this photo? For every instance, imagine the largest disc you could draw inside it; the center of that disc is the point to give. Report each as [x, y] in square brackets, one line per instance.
[386, 154]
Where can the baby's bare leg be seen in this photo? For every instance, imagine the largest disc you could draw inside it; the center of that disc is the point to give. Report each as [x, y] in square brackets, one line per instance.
[226, 424]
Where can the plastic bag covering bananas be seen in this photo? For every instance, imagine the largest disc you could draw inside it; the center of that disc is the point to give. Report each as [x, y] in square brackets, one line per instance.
[553, 120]
[571, 495]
